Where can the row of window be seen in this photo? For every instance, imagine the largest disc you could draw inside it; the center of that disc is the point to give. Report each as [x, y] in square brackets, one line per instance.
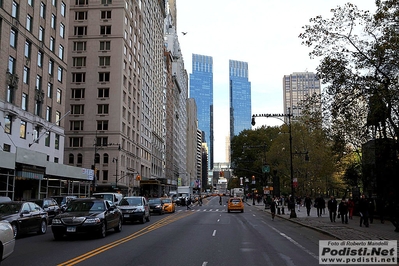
[42, 11]
[86, 2]
[81, 61]
[76, 142]
[78, 109]
[8, 127]
[81, 46]
[79, 162]
[77, 125]
[82, 15]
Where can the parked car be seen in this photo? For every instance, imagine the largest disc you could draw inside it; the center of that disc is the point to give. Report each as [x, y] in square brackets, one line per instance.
[87, 215]
[135, 209]
[4, 199]
[50, 205]
[168, 205]
[156, 206]
[63, 200]
[115, 198]
[235, 204]
[7, 239]
[24, 217]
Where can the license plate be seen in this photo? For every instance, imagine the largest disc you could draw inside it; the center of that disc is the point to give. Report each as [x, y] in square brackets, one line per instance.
[126, 215]
[71, 229]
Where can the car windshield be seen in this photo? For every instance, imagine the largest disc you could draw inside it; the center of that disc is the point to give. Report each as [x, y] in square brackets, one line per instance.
[156, 201]
[130, 201]
[10, 208]
[167, 201]
[78, 206]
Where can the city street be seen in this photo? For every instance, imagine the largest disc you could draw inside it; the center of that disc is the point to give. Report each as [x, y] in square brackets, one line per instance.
[204, 235]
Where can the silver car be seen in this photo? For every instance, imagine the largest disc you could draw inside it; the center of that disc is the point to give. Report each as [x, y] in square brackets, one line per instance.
[7, 239]
[135, 209]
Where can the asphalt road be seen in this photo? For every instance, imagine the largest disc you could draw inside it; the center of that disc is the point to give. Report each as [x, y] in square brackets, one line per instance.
[205, 235]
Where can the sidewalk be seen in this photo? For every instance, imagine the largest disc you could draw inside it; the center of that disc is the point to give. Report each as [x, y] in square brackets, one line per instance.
[350, 231]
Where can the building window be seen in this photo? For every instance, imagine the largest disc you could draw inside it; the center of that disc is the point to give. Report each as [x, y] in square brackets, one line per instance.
[79, 46]
[71, 159]
[102, 109]
[14, 9]
[51, 67]
[104, 60]
[29, 22]
[60, 74]
[80, 30]
[105, 30]
[24, 104]
[52, 44]
[48, 113]
[11, 64]
[76, 142]
[106, 14]
[13, 38]
[81, 15]
[26, 75]
[79, 77]
[10, 94]
[78, 93]
[6, 147]
[59, 95]
[63, 9]
[80, 159]
[47, 139]
[22, 130]
[103, 76]
[42, 10]
[105, 175]
[77, 109]
[105, 158]
[106, 2]
[62, 30]
[81, 2]
[57, 142]
[76, 125]
[102, 125]
[7, 124]
[49, 90]
[40, 59]
[53, 21]
[27, 50]
[79, 61]
[102, 141]
[30, 2]
[105, 45]
[103, 93]
[57, 117]
[56, 159]
[54, 3]
[61, 52]
[41, 33]
[38, 82]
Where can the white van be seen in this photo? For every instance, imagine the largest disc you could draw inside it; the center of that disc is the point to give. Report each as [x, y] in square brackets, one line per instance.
[113, 197]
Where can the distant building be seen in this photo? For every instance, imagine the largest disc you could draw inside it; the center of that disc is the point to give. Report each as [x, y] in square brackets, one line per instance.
[201, 89]
[296, 87]
[240, 97]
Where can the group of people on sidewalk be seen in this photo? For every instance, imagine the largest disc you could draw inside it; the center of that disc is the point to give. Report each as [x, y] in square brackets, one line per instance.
[342, 210]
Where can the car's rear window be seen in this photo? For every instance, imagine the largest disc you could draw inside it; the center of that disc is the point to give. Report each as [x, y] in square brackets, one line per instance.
[235, 201]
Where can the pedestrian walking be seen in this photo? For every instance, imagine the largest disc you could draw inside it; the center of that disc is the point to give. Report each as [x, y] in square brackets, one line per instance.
[298, 202]
[308, 204]
[351, 207]
[343, 211]
[364, 211]
[319, 204]
[273, 206]
[371, 209]
[188, 204]
[220, 200]
[332, 208]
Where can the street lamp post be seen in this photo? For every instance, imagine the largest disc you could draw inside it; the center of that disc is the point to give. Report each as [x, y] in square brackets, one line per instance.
[115, 160]
[278, 116]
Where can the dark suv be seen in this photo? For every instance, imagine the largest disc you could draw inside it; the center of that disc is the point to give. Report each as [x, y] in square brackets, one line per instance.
[50, 205]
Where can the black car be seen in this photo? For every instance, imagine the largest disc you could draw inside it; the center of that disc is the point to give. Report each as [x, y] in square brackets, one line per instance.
[89, 215]
[50, 205]
[63, 201]
[24, 216]
[156, 206]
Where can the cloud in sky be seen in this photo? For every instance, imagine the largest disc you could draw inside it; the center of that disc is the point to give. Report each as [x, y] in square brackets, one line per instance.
[263, 33]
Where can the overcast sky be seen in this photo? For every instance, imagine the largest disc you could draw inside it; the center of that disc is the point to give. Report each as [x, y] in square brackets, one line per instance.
[263, 33]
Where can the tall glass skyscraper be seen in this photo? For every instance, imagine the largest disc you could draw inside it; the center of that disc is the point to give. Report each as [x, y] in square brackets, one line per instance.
[240, 97]
[201, 89]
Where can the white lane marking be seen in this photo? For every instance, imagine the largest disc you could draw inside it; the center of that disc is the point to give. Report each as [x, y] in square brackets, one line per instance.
[214, 233]
[204, 263]
[294, 242]
[218, 220]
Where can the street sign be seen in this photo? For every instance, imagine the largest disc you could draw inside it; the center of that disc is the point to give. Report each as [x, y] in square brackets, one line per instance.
[266, 169]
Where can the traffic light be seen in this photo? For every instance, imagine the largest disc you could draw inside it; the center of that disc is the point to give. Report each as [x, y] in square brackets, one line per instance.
[138, 177]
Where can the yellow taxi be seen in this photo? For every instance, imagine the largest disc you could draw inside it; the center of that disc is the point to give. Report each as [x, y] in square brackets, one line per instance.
[235, 204]
[168, 205]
